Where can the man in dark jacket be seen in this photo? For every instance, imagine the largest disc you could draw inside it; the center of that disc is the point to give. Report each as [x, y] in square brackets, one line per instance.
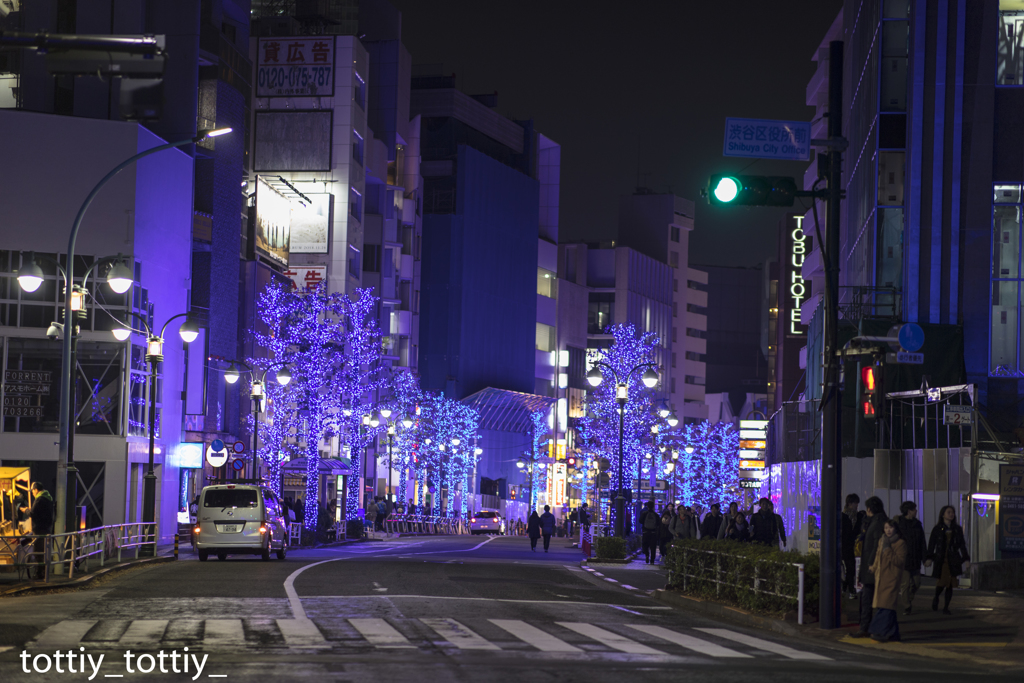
[766, 527]
[712, 522]
[41, 515]
[547, 526]
[584, 516]
[913, 533]
[873, 530]
[650, 525]
[853, 525]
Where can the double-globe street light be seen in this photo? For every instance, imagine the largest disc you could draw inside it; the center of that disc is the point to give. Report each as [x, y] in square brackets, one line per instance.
[257, 392]
[392, 430]
[188, 331]
[65, 367]
[650, 379]
[30, 278]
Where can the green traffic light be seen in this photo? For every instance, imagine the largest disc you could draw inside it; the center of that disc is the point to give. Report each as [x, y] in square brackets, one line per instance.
[727, 189]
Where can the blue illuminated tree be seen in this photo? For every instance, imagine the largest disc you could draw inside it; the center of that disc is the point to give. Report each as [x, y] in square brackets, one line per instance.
[446, 457]
[708, 463]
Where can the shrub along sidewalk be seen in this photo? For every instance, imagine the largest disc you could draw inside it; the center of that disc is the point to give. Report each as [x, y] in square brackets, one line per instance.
[753, 577]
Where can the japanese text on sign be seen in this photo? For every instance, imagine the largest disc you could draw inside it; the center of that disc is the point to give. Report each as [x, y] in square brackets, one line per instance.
[305, 278]
[295, 67]
[766, 139]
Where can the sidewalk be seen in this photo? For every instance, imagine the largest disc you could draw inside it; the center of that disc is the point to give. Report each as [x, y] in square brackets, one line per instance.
[11, 583]
[986, 628]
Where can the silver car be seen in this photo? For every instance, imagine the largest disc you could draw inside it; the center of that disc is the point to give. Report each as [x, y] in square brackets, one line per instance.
[486, 522]
[240, 519]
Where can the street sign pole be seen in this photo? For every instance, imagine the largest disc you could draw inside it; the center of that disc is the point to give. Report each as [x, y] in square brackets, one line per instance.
[829, 607]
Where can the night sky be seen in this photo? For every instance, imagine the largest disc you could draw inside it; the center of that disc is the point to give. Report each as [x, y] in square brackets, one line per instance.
[606, 80]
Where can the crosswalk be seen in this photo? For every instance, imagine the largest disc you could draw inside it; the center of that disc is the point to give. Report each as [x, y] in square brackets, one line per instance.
[557, 638]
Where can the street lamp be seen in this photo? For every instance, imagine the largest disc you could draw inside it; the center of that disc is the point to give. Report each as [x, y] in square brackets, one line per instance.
[650, 379]
[392, 430]
[30, 278]
[154, 356]
[257, 388]
[66, 368]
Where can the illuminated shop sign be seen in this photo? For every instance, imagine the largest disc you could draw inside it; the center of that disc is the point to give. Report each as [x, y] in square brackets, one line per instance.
[797, 290]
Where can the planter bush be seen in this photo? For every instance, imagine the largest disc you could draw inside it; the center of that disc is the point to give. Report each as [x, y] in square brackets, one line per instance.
[736, 564]
[611, 548]
[354, 528]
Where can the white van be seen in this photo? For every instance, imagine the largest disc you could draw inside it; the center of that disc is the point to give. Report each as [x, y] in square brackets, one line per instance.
[240, 519]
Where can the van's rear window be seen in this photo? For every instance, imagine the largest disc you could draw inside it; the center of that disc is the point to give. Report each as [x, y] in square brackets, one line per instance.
[230, 498]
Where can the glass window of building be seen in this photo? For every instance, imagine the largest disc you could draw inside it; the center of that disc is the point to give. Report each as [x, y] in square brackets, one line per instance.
[357, 147]
[1006, 336]
[359, 91]
[1010, 57]
[547, 284]
[545, 337]
[600, 312]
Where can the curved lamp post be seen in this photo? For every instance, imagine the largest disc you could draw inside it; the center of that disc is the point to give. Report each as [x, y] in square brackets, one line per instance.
[65, 367]
[188, 331]
[392, 429]
[30, 278]
[257, 392]
[650, 379]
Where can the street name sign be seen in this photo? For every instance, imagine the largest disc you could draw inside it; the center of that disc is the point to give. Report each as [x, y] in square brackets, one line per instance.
[767, 139]
[909, 358]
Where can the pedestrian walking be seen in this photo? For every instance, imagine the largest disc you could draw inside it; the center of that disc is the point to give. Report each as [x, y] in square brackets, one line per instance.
[738, 528]
[382, 513]
[682, 525]
[766, 527]
[887, 570]
[947, 555]
[730, 516]
[668, 513]
[371, 513]
[41, 514]
[912, 532]
[853, 527]
[712, 522]
[547, 526]
[584, 516]
[533, 530]
[875, 519]
[650, 524]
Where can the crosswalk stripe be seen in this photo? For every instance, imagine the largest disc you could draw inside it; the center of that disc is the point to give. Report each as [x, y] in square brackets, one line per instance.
[380, 633]
[765, 645]
[689, 642]
[224, 633]
[543, 641]
[458, 635]
[65, 634]
[301, 633]
[143, 632]
[612, 640]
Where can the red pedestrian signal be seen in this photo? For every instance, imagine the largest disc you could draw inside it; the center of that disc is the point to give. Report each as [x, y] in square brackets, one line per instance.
[869, 395]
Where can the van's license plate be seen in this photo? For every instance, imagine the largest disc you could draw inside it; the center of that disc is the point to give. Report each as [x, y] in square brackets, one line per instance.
[230, 528]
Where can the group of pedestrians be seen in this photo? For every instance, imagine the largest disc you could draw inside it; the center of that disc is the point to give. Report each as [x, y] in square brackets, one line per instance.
[892, 552]
[659, 529]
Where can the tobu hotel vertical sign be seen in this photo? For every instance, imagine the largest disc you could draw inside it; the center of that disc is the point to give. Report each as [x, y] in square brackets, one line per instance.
[295, 67]
[794, 288]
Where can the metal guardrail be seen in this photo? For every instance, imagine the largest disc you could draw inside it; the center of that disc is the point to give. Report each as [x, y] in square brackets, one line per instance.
[76, 549]
[422, 524]
[720, 578]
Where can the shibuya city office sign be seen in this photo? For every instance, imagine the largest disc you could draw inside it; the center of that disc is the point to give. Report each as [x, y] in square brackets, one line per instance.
[797, 289]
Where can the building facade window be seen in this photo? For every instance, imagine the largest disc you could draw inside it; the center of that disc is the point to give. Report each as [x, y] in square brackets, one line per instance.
[547, 283]
[600, 312]
[675, 309]
[371, 258]
[545, 337]
[694, 380]
[354, 258]
[359, 91]
[355, 204]
[674, 233]
[1010, 59]
[673, 359]
[357, 147]
[696, 334]
[1006, 338]
[673, 259]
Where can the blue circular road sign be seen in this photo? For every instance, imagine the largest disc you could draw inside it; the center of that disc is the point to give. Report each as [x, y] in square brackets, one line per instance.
[238, 465]
[217, 445]
[911, 337]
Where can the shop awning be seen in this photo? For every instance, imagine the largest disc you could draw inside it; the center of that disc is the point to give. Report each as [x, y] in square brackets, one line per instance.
[507, 411]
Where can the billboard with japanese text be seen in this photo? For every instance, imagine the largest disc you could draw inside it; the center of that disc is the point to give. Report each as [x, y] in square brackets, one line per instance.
[273, 222]
[295, 67]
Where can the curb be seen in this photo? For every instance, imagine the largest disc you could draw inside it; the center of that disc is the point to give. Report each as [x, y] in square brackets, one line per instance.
[76, 583]
[596, 560]
[597, 574]
[733, 613]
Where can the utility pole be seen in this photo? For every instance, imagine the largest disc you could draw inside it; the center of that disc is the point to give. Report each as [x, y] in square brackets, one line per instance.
[829, 608]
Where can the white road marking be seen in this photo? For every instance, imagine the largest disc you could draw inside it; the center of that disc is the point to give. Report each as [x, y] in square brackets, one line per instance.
[609, 639]
[628, 587]
[689, 642]
[223, 633]
[610, 579]
[301, 633]
[458, 635]
[65, 634]
[143, 632]
[380, 633]
[627, 610]
[542, 640]
[765, 645]
[461, 597]
[5, 648]
[378, 588]
[596, 573]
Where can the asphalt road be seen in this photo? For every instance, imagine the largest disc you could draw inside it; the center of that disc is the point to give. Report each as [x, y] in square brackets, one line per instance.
[415, 609]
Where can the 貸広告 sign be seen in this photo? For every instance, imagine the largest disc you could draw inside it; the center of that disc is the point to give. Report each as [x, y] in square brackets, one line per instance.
[767, 139]
[295, 67]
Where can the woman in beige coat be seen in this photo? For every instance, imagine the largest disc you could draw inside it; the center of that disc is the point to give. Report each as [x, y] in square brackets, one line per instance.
[888, 571]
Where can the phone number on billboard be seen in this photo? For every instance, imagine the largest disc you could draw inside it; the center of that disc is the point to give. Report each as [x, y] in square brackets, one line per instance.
[289, 80]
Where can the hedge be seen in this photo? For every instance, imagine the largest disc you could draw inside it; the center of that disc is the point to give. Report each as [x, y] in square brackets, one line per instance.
[611, 547]
[694, 573]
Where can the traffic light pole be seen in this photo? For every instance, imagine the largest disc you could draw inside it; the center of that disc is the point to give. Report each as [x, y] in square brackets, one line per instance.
[829, 607]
